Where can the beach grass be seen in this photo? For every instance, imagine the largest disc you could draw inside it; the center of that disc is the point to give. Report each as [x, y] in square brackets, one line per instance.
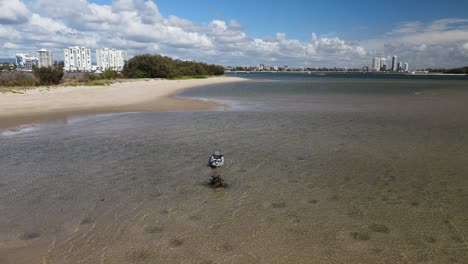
[91, 83]
[15, 89]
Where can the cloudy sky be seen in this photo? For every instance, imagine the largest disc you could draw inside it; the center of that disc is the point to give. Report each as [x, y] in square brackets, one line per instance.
[241, 32]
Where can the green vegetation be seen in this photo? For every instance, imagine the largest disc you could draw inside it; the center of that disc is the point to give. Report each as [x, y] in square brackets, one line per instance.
[41, 76]
[462, 70]
[141, 66]
[7, 67]
[49, 75]
[437, 70]
[89, 79]
[90, 83]
[93, 83]
[110, 75]
[106, 75]
[17, 78]
[157, 66]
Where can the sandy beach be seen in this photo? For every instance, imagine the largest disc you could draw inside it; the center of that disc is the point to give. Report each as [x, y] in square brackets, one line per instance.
[45, 103]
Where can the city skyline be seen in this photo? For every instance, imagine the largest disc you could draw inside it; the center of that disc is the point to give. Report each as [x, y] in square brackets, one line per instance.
[75, 59]
[431, 35]
[380, 64]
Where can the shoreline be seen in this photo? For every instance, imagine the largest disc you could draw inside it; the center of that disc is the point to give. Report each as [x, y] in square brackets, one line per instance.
[351, 72]
[147, 95]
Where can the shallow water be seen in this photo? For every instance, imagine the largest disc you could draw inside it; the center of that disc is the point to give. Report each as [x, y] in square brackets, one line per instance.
[345, 175]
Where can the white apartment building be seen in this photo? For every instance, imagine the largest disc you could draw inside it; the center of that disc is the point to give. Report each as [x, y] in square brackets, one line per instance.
[394, 63]
[45, 58]
[77, 59]
[383, 64]
[25, 62]
[376, 64]
[406, 67]
[110, 59]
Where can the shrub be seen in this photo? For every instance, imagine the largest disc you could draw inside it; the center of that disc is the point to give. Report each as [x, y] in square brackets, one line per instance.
[109, 74]
[17, 78]
[49, 75]
[157, 66]
[88, 77]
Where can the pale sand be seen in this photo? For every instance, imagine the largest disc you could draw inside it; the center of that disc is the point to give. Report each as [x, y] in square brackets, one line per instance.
[129, 96]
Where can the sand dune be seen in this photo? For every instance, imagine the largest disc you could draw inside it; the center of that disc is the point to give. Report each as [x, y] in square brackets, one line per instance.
[129, 96]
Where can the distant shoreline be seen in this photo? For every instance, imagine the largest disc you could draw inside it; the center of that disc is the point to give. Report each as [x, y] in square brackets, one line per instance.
[351, 72]
[145, 95]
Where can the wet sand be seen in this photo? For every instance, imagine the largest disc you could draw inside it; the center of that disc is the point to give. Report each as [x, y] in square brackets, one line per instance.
[44, 103]
[376, 180]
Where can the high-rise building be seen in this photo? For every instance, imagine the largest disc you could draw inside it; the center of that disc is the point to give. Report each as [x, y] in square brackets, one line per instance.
[394, 63]
[406, 67]
[400, 66]
[376, 64]
[45, 58]
[383, 64]
[110, 59]
[77, 59]
[25, 62]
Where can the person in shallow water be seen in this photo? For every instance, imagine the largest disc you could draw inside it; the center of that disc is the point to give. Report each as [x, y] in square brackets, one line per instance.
[216, 160]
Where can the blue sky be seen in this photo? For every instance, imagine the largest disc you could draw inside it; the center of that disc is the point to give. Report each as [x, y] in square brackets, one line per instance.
[241, 32]
[298, 18]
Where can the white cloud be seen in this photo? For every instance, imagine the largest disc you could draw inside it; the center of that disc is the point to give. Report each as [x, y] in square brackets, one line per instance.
[9, 45]
[436, 44]
[235, 25]
[13, 12]
[138, 26]
[123, 5]
[406, 28]
[447, 23]
[182, 23]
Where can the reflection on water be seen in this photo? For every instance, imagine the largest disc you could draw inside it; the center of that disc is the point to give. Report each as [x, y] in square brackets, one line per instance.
[352, 181]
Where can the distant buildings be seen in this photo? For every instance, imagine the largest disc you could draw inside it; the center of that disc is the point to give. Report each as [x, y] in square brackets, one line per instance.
[77, 59]
[110, 59]
[380, 64]
[394, 63]
[45, 58]
[383, 64]
[25, 62]
[376, 64]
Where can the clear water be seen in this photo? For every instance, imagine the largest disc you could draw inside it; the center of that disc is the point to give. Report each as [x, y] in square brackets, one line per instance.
[319, 170]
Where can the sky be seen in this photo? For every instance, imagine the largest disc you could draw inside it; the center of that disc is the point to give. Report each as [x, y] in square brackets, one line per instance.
[296, 33]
